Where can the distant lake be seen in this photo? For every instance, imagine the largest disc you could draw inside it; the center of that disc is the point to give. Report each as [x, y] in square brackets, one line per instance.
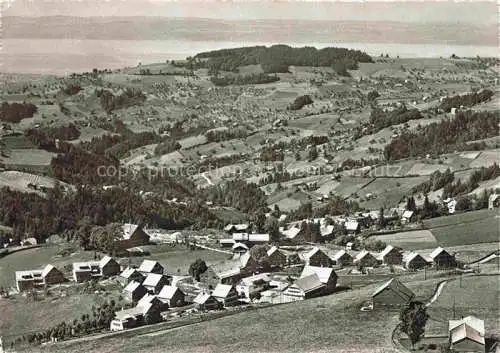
[61, 56]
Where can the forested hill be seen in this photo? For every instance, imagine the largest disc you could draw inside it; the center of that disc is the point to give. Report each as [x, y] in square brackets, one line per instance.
[278, 58]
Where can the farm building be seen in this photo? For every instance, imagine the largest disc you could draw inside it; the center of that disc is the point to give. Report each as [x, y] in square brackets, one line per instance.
[251, 238]
[150, 266]
[137, 316]
[493, 201]
[467, 335]
[392, 293]
[352, 227]
[391, 256]
[134, 291]
[250, 286]
[204, 301]
[133, 235]
[316, 257]
[154, 282]
[365, 259]
[342, 258]
[276, 257]
[36, 278]
[294, 234]
[408, 217]
[130, 274]
[226, 273]
[233, 228]
[239, 248]
[85, 271]
[248, 264]
[304, 288]
[226, 243]
[414, 261]
[327, 232]
[441, 258]
[225, 294]
[326, 275]
[172, 296]
[152, 299]
[109, 266]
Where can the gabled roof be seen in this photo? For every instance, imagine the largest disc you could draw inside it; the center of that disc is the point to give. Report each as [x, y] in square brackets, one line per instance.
[244, 259]
[152, 279]
[465, 331]
[148, 299]
[437, 251]
[202, 298]
[387, 251]
[168, 292]
[410, 256]
[128, 230]
[221, 290]
[129, 271]
[105, 260]
[46, 270]
[226, 269]
[326, 230]
[84, 266]
[309, 283]
[351, 225]
[273, 249]
[472, 321]
[239, 246]
[310, 253]
[397, 287]
[291, 233]
[132, 287]
[407, 214]
[362, 254]
[258, 277]
[148, 265]
[339, 254]
[324, 273]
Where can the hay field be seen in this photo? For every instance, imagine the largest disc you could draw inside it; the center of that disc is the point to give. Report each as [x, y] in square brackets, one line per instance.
[486, 158]
[28, 157]
[19, 180]
[420, 239]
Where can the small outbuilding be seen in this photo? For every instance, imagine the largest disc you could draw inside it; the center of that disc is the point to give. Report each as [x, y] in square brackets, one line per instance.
[392, 293]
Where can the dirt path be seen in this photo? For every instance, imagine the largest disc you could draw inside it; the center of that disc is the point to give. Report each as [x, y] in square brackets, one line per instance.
[437, 293]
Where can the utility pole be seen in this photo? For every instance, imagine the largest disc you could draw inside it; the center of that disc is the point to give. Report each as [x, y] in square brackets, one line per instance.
[453, 308]
[425, 273]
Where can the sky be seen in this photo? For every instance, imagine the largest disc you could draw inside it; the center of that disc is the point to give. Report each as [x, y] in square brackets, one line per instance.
[477, 12]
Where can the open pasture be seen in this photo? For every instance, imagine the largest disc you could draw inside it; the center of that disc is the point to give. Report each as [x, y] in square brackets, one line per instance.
[411, 240]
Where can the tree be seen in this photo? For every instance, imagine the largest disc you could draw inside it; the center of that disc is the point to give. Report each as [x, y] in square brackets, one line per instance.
[413, 319]
[272, 228]
[381, 218]
[260, 220]
[313, 153]
[197, 268]
[372, 95]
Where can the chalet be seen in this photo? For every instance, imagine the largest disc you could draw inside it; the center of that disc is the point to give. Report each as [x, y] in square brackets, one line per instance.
[316, 257]
[365, 259]
[493, 201]
[226, 295]
[276, 257]
[392, 293]
[250, 286]
[248, 264]
[52, 275]
[133, 235]
[109, 266]
[172, 296]
[467, 335]
[204, 301]
[226, 273]
[226, 243]
[414, 261]
[134, 291]
[154, 282]
[233, 228]
[352, 227]
[326, 275]
[26, 280]
[295, 235]
[130, 274]
[327, 232]
[442, 259]
[304, 288]
[251, 238]
[152, 299]
[239, 248]
[408, 217]
[391, 256]
[150, 266]
[137, 316]
[85, 271]
[342, 258]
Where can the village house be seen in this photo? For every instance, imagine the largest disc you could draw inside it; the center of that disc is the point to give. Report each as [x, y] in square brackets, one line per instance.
[226, 273]
[130, 274]
[137, 316]
[133, 235]
[226, 243]
[150, 266]
[172, 296]
[327, 232]
[250, 287]
[233, 228]
[467, 335]
[352, 227]
[294, 235]
[408, 217]
[342, 258]
[442, 259]
[154, 282]
[391, 256]
[239, 248]
[365, 259]
[52, 275]
[248, 265]
[304, 288]
[109, 266]
[134, 291]
[316, 257]
[251, 239]
[326, 275]
[85, 271]
[414, 261]
[30, 279]
[276, 257]
[152, 299]
[392, 293]
[204, 301]
[226, 295]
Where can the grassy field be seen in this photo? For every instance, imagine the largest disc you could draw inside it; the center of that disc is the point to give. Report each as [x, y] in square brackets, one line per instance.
[421, 239]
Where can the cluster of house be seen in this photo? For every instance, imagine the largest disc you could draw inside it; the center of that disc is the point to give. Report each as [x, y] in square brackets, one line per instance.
[465, 335]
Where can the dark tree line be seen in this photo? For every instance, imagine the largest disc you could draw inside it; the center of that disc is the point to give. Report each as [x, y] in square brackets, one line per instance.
[224, 135]
[71, 89]
[437, 180]
[443, 137]
[246, 197]
[244, 79]
[45, 137]
[466, 100]
[300, 102]
[15, 112]
[379, 119]
[128, 98]
[460, 188]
